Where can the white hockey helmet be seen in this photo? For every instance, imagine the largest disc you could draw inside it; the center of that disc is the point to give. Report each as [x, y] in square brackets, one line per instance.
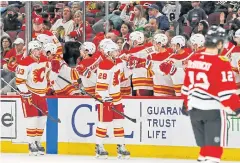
[161, 38]
[198, 39]
[137, 36]
[34, 45]
[89, 46]
[44, 39]
[237, 34]
[178, 40]
[50, 47]
[104, 42]
[111, 47]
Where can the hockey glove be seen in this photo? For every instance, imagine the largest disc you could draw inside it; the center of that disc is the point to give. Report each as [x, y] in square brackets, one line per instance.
[184, 110]
[55, 65]
[83, 71]
[167, 68]
[27, 98]
[12, 64]
[107, 102]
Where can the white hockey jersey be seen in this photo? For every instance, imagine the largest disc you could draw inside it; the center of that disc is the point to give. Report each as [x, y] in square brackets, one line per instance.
[109, 76]
[140, 77]
[162, 84]
[235, 63]
[33, 76]
[177, 77]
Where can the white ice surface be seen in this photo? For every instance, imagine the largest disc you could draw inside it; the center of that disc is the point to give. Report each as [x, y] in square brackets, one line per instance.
[24, 158]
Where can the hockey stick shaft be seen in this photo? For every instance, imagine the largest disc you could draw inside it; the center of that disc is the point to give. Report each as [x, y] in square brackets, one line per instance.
[94, 97]
[49, 116]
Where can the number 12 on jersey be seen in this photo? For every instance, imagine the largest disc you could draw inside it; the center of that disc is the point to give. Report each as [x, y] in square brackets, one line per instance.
[200, 79]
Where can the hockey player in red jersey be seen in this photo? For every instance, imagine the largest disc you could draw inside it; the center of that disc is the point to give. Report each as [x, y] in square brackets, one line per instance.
[175, 65]
[38, 29]
[31, 79]
[209, 92]
[108, 90]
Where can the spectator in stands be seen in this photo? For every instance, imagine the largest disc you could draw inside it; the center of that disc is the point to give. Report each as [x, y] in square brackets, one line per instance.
[58, 11]
[112, 36]
[230, 12]
[64, 26]
[14, 55]
[120, 42]
[125, 31]
[202, 27]
[2, 33]
[101, 35]
[152, 27]
[76, 6]
[170, 34]
[11, 22]
[153, 12]
[136, 18]
[77, 33]
[6, 45]
[195, 15]
[37, 10]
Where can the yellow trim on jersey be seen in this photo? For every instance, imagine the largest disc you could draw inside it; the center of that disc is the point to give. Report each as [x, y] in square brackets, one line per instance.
[101, 129]
[74, 74]
[101, 86]
[116, 96]
[101, 113]
[20, 81]
[38, 91]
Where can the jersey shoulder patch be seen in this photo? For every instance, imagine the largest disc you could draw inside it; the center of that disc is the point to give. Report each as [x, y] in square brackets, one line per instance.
[223, 58]
[106, 64]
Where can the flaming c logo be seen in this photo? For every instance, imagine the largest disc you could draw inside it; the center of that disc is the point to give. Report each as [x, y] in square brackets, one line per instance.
[37, 75]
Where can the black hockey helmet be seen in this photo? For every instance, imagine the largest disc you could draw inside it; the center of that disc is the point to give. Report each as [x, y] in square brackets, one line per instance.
[214, 35]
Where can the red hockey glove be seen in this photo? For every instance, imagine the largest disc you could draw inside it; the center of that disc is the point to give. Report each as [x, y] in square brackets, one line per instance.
[167, 68]
[107, 103]
[135, 62]
[27, 98]
[55, 65]
[12, 64]
[82, 70]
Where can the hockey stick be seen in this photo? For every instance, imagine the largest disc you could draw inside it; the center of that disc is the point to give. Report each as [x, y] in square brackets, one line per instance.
[94, 97]
[49, 116]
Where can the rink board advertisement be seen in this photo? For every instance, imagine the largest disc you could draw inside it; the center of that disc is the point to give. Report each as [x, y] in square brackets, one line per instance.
[160, 122]
[160, 127]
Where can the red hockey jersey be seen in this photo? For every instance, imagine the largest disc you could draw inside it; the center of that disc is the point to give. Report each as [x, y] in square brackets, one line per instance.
[209, 83]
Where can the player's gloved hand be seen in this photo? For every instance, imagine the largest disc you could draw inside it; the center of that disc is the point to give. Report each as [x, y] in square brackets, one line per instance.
[27, 98]
[184, 110]
[82, 70]
[107, 102]
[55, 65]
[12, 64]
[167, 68]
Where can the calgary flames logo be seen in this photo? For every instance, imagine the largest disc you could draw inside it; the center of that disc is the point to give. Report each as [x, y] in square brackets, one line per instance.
[38, 75]
[116, 78]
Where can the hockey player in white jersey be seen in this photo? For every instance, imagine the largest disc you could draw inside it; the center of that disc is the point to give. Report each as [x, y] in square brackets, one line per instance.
[142, 83]
[32, 75]
[108, 90]
[175, 65]
[235, 59]
[59, 86]
[197, 43]
[88, 65]
[163, 85]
